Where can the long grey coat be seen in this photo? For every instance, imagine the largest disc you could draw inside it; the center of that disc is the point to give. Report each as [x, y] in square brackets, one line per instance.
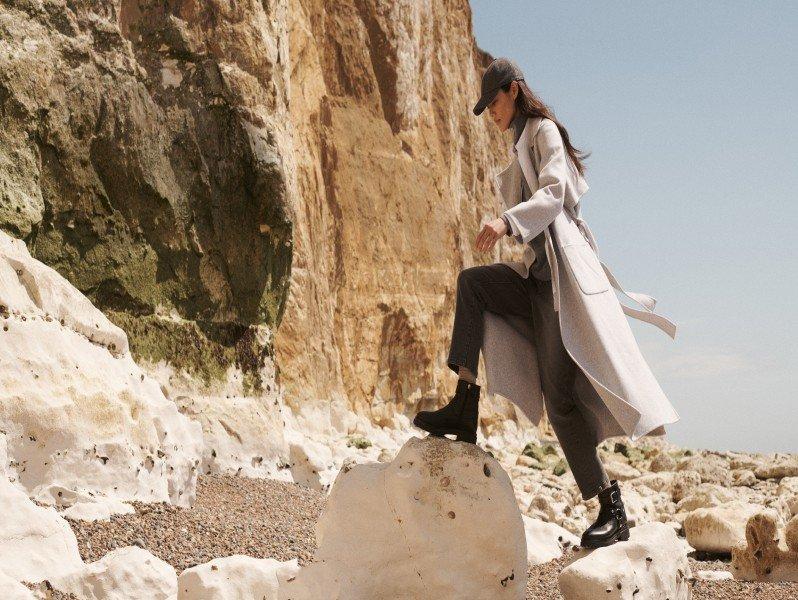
[614, 381]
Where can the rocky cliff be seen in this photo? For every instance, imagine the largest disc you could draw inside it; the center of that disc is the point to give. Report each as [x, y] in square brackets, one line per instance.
[272, 190]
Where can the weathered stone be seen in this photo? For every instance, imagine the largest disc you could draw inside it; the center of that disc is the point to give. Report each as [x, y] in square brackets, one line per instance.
[711, 467]
[662, 462]
[546, 541]
[234, 577]
[767, 553]
[620, 471]
[80, 416]
[14, 590]
[720, 528]
[399, 529]
[124, 573]
[651, 565]
[35, 542]
[782, 467]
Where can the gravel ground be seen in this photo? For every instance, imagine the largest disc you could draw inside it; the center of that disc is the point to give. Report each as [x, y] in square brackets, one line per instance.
[264, 518]
[268, 518]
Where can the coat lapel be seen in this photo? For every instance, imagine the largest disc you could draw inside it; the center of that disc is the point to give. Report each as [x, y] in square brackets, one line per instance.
[509, 181]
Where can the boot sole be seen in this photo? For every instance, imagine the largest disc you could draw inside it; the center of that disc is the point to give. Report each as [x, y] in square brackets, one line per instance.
[462, 435]
[621, 536]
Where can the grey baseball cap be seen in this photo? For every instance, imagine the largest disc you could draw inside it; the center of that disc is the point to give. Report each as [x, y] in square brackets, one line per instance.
[500, 72]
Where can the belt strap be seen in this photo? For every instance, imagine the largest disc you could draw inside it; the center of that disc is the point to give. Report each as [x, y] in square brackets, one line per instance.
[647, 302]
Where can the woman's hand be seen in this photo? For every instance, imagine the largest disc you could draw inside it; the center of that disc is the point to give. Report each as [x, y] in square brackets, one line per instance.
[490, 232]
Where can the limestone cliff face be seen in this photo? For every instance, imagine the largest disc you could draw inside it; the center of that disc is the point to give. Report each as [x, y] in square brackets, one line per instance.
[207, 171]
[393, 176]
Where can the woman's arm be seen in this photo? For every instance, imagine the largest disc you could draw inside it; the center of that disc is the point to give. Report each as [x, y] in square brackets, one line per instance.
[533, 215]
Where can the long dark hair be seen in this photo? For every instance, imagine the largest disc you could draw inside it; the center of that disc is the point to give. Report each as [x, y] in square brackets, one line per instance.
[529, 104]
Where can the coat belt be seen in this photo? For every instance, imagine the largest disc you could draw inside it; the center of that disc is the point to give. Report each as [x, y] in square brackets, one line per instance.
[647, 302]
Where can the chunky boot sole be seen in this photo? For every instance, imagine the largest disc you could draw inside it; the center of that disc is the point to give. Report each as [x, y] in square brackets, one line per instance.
[621, 535]
[462, 435]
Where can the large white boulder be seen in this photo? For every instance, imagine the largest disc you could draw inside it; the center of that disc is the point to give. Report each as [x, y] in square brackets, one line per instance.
[129, 573]
[652, 564]
[35, 542]
[235, 577]
[720, 528]
[80, 416]
[439, 521]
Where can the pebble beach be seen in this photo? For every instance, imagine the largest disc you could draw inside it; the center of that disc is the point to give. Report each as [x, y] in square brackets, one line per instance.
[269, 518]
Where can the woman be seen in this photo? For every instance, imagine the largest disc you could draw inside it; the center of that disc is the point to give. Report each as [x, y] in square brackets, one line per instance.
[523, 294]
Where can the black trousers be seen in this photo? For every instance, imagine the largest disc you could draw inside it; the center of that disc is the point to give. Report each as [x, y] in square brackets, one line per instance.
[500, 289]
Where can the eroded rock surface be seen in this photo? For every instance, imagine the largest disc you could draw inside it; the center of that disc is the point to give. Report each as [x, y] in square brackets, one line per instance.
[81, 418]
[124, 573]
[416, 528]
[651, 564]
[35, 542]
[234, 577]
[769, 551]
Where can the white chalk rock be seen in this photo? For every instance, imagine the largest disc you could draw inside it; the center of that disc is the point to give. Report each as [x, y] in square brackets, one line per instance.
[3, 456]
[235, 577]
[233, 430]
[779, 468]
[439, 521]
[708, 575]
[78, 413]
[662, 462]
[617, 571]
[32, 289]
[708, 495]
[99, 509]
[787, 494]
[639, 508]
[35, 542]
[711, 467]
[311, 462]
[743, 477]
[676, 484]
[11, 589]
[129, 573]
[787, 486]
[720, 528]
[546, 541]
[550, 504]
[620, 470]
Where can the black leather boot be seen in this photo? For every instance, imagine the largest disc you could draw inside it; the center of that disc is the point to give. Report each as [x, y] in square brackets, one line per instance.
[459, 417]
[610, 526]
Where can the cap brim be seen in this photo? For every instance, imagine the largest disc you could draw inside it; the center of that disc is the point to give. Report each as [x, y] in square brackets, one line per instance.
[484, 101]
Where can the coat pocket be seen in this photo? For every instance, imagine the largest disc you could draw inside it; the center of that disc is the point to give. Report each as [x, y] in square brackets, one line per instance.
[586, 267]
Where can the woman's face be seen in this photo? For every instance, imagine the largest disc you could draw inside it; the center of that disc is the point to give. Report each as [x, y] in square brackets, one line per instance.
[502, 108]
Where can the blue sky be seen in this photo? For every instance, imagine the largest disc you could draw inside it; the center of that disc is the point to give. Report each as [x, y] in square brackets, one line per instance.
[689, 109]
